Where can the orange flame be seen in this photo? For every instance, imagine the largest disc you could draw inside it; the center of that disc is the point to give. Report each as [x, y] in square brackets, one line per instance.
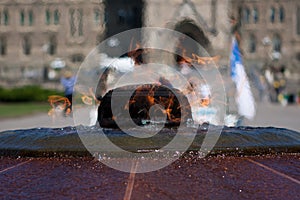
[58, 104]
[205, 60]
[87, 100]
[150, 96]
[135, 53]
[205, 102]
[89, 97]
[195, 58]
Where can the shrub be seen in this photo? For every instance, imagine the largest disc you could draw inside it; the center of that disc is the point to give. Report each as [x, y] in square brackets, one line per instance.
[27, 94]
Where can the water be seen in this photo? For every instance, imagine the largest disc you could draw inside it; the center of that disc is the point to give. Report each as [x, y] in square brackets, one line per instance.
[66, 142]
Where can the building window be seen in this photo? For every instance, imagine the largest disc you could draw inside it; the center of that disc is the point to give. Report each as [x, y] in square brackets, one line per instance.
[72, 20]
[96, 17]
[247, 15]
[77, 58]
[255, 15]
[106, 18]
[252, 44]
[76, 22]
[5, 17]
[240, 14]
[30, 18]
[298, 20]
[22, 17]
[272, 15]
[80, 22]
[52, 45]
[26, 45]
[281, 14]
[2, 46]
[298, 56]
[56, 17]
[47, 17]
[122, 15]
[276, 43]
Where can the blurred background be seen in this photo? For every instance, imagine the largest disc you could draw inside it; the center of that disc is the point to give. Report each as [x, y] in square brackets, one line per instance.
[42, 39]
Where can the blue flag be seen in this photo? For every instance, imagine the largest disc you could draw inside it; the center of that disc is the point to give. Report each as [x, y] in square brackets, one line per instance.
[244, 97]
[235, 58]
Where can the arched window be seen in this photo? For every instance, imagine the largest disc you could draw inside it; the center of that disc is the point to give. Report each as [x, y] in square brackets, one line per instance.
[52, 45]
[247, 15]
[281, 14]
[97, 17]
[252, 44]
[272, 14]
[2, 46]
[80, 21]
[26, 45]
[255, 15]
[298, 20]
[240, 14]
[76, 22]
[56, 17]
[298, 56]
[72, 21]
[30, 18]
[106, 18]
[5, 17]
[22, 17]
[121, 16]
[47, 17]
[277, 43]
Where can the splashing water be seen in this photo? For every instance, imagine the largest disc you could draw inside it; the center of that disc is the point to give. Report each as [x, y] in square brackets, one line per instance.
[65, 141]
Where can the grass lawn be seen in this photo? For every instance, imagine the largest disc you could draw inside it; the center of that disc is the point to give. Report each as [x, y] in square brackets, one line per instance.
[10, 110]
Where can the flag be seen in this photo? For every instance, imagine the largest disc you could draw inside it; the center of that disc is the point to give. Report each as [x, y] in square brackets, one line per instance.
[244, 98]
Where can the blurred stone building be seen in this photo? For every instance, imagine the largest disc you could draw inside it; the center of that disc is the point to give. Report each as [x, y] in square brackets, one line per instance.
[270, 32]
[34, 33]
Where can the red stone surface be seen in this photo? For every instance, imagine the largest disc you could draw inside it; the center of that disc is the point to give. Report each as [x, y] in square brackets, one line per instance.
[187, 178]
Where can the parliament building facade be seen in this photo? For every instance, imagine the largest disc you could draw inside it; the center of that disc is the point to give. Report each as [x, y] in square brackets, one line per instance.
[34, 33]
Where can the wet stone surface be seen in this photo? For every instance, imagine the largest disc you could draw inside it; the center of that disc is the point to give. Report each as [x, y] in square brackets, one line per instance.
[64, 178]
[218, 177]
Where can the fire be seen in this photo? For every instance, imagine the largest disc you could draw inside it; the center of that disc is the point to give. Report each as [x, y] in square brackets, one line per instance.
[141, 105]
[87, 100]
[169, 106]
[135, 53]
[205, 102]
[150, 97]
[204, 60]
[58, 105]
[198, 92]
[145, 97]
